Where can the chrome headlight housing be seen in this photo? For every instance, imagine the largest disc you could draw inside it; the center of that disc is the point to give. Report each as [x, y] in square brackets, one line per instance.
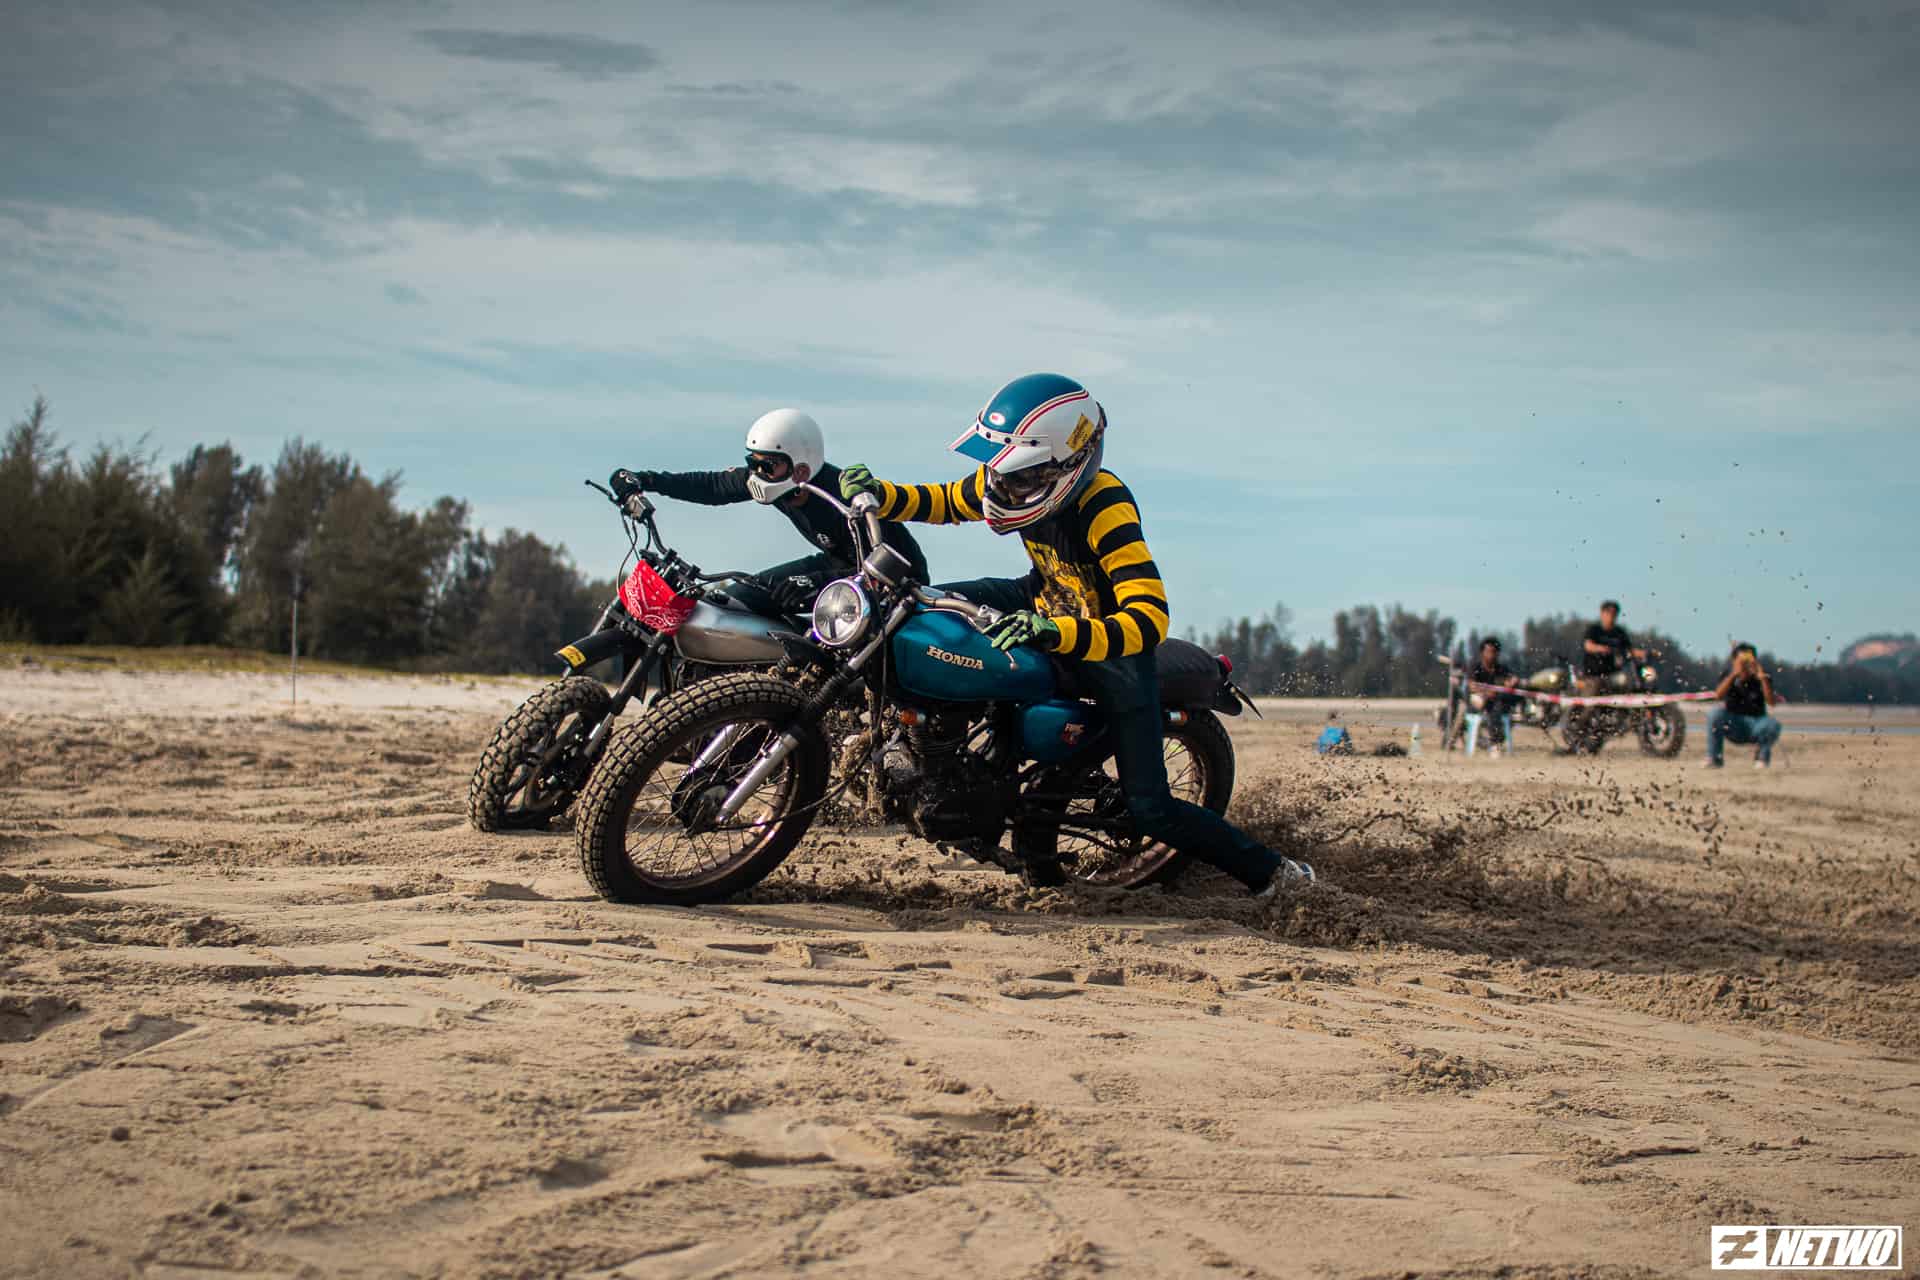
[842, 612]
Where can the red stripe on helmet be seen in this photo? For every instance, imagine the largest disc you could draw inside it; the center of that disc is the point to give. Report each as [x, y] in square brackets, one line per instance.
[1054, 403]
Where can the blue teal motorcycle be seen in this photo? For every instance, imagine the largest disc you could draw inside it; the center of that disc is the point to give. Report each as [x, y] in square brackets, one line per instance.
[982, 752]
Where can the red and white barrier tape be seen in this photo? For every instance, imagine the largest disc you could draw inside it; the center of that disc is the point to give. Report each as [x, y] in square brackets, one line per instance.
[1597, 700]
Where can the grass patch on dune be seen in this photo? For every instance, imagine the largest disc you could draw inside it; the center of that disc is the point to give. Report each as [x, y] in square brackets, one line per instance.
[199, 660]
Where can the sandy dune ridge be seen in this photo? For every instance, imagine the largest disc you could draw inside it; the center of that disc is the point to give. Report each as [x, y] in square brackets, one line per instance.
[269, 1008]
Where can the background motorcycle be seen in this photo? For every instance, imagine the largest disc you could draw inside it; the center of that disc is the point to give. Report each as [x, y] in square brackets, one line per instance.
[670, 624]
[1662, 731]
[715, 785]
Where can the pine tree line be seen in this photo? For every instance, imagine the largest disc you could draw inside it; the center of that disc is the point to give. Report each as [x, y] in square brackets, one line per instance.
[115, 549]
[1396, 653]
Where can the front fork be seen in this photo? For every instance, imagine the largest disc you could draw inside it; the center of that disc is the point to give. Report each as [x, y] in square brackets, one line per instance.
[635, 682]
[775, 753]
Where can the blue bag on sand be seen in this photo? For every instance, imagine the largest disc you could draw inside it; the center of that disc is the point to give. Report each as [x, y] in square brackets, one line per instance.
[1333, 740]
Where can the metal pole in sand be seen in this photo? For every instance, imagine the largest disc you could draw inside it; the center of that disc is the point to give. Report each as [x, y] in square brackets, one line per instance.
[293, 647]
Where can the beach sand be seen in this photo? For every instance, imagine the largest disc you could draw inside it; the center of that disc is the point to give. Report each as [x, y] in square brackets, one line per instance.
[268, 1007]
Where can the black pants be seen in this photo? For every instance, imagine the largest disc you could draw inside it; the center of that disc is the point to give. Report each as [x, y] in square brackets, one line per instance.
[1127, 690]
[819, 569]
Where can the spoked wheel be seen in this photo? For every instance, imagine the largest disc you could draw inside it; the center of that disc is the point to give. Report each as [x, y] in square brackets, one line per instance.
[1663, 731]
[532, 767]
[652, 826]
[1092, 844]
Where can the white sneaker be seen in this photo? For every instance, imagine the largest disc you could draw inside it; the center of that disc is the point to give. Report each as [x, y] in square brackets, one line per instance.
[1761, 764]
[1289, 875]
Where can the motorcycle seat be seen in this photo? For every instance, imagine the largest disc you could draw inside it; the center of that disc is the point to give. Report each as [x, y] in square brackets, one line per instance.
[1188, 675]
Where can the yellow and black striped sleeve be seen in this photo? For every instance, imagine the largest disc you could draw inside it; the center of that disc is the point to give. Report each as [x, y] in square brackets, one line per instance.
[1142, 618]
[955, 503]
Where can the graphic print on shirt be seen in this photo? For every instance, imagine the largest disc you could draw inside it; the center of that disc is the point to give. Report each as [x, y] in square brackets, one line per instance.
[1063, 585]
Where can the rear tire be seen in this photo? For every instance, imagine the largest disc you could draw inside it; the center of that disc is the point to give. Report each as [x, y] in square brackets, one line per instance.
[1200, 770]
[1663, 732]
[529, 772]
[675, 862]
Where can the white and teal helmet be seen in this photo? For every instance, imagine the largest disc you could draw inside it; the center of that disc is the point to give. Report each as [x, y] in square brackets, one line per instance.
[1040, 439]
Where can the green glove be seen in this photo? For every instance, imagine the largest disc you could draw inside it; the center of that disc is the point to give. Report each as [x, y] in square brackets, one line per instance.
[1025, 627]
[856, 480]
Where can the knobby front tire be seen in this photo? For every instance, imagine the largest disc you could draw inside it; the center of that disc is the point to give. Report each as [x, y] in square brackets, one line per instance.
[645, 827]
[516, 787]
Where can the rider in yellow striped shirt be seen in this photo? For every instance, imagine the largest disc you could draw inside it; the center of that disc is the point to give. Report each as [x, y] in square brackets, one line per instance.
[1094, 594]
[1093, 578]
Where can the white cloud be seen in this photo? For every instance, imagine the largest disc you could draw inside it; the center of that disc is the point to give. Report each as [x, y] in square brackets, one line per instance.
[1604, 227]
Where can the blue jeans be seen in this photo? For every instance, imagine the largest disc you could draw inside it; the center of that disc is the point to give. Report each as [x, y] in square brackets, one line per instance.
[1502, 719]
[1127, 690]
[1723, 726]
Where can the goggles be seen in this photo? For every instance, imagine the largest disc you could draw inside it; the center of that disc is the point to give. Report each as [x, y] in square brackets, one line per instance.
[770, 466]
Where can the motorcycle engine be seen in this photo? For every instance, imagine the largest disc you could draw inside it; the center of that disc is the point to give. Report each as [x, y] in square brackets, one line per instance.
[954, 796]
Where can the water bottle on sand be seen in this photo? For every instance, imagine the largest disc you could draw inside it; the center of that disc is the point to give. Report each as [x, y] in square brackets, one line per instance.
[1413, 748]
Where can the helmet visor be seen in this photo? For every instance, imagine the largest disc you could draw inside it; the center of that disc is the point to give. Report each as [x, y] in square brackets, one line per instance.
[1019, 487]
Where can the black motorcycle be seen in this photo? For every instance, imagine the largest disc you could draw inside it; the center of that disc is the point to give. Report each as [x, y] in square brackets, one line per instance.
[668, 625]
[711, 789]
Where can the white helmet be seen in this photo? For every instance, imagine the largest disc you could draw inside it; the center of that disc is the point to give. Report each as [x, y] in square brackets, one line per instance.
[1041, 438]
[792, 435]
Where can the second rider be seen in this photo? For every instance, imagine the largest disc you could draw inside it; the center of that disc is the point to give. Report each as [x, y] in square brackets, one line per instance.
[785, 450]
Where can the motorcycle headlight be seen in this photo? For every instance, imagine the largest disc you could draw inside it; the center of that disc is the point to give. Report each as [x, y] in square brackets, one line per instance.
[841, 613]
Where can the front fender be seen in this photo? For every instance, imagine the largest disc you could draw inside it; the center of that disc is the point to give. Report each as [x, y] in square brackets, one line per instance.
[598, 647]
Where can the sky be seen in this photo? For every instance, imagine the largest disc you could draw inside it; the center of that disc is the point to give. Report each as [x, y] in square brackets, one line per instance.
[1495, 308]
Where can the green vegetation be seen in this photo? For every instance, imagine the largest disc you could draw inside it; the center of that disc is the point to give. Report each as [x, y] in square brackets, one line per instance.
[118, 553]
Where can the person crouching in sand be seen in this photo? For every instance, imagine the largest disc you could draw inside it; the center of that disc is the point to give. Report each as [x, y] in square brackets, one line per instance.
[1746, 694]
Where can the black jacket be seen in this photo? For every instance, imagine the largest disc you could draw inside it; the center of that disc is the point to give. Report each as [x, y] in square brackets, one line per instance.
[823, 528]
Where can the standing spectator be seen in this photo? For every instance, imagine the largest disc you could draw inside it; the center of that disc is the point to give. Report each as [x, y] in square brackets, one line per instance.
[1745, 693]
[1498, 707]
[1607, 647]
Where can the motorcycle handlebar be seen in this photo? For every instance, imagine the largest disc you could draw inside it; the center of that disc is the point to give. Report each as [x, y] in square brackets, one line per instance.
[864, 506]
[980, 615]
[635, 504]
